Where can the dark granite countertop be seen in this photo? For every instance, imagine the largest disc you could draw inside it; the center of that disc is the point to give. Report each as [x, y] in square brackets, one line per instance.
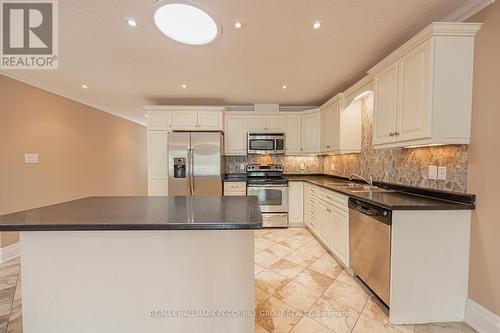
[140, 213]
[235, 177]
[399, 198]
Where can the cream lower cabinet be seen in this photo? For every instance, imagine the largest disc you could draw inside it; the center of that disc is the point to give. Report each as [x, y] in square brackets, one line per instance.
[423, 90]
[326, 215]
[232, 189]
[296, 203]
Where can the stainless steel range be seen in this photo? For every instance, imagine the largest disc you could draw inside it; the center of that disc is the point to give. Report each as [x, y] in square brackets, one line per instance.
[267, 183]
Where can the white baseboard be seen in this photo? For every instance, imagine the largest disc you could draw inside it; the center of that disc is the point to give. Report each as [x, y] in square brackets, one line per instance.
[10, 252]
[481, 319]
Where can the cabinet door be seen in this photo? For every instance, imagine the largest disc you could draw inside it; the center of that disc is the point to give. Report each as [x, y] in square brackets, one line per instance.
[339, 236]
[335, 127]
[325, 129]
[414, 106]
[184, 120]
[275, 123]
[385, 104]
[209, 121]
[293, 138]
[160, 120]
[256, 123]
[296, 203]
[235, 135]
[157, 154]
[310, 132]
[350, 128]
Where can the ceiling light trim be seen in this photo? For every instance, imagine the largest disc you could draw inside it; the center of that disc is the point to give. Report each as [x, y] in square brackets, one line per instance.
[160, 3]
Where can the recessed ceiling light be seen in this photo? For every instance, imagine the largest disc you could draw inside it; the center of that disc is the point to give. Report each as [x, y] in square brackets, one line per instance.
[185, 23]
[84, 86]
[284, 86]
[132, 22]
[237, 25]
[184, 86]
[316, 25]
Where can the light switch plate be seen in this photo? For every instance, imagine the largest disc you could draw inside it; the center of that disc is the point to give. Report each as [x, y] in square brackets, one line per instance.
[433, 170]
[242, 166]
[302, 166]
[332, 166]
[31, 158]
[441, 174]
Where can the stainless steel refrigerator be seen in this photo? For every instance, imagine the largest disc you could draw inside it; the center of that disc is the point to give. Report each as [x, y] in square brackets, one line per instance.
[195, 163]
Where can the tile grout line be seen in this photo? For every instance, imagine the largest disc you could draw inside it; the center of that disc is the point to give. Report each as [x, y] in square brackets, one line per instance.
[13, 298]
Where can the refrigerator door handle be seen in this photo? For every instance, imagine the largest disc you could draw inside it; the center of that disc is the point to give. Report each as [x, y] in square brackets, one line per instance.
[189, 170]
[191, 179]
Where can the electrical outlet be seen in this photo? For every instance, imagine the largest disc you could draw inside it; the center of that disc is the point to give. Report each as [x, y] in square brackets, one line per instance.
[433, 170]
[31, 158]
[242, 166]
[441, 174]
[332, 166]
[302, 166]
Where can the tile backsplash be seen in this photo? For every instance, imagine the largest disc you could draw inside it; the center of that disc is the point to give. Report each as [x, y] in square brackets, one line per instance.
[394, 165]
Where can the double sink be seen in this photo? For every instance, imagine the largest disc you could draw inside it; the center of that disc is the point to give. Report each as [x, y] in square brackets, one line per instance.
[356, 187]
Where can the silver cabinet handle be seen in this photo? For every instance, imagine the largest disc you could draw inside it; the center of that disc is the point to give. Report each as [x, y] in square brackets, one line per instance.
[391, 134]
[396, 133]
[328, 210]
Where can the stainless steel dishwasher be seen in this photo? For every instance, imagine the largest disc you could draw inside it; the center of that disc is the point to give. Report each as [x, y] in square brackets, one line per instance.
[370, 246]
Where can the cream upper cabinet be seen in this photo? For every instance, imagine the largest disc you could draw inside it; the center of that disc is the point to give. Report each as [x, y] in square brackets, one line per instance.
[423, 90]
[341, 126]
[385, 102]
[209, 121]
[293, 133]
[185, 120]
[330, 127]
[235, 135]
[159, 120]
[256, 123]
[311, 123]
[275, 123]
[414, 111]
[266, 123]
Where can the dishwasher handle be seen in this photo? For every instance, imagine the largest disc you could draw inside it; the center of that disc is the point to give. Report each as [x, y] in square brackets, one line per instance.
[381, 214]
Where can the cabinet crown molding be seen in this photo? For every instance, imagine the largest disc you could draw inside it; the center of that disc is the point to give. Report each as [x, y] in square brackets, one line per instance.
[332, 100]
[434, 29]
[183, 108]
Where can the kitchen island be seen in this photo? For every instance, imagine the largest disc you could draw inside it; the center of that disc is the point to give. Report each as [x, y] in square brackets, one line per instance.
[138, 264]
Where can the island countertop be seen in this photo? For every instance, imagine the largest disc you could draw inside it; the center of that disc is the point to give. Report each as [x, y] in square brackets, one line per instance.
[140, 213]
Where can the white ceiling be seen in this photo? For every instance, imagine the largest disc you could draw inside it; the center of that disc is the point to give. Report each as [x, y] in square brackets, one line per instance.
[127, 68]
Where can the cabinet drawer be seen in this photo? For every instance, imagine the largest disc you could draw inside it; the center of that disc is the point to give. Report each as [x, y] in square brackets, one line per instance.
[331, 197]
[235, 188]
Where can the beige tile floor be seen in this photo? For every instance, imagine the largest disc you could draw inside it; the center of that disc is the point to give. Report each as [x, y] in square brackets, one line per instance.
[300, 288]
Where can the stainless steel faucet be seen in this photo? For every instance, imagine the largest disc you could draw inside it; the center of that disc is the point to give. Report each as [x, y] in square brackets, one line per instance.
[369, 181]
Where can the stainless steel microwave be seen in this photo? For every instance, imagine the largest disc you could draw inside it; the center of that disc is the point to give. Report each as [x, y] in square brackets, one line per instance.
[266, 143]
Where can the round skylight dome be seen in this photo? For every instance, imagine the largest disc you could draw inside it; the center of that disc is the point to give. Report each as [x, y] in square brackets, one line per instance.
[185, 23]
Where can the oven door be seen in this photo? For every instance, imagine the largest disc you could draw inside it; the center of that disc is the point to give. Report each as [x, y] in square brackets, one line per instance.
[272, 198]
[261, 145]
